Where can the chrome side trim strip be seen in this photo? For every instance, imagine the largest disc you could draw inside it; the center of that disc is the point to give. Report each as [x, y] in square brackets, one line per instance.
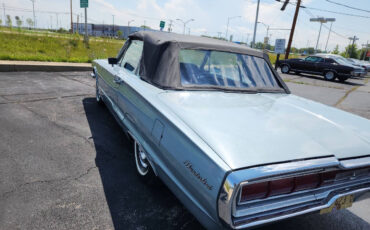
[355, 163]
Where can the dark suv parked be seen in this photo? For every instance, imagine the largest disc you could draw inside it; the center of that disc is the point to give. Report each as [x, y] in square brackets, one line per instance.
[330, 66]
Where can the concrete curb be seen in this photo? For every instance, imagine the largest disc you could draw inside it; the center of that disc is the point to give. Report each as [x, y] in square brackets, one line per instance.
[20, 66]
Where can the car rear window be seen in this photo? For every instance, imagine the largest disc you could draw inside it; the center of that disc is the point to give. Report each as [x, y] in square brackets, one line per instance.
[225, 69]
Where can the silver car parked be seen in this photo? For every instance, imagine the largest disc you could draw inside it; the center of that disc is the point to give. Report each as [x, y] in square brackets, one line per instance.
[219, 127]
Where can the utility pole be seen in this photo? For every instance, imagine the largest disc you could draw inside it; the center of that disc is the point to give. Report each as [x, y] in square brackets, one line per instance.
[34, 16]
[72, 19]
[366, 49]
[326, 46]
[293, 28]
[353, 39]
[255, 24]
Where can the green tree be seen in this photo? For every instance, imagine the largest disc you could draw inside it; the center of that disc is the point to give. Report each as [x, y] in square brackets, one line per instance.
[29, 22]
[1, 22]
[145, 27]
[336, 50]
[18, 21]
[351, 51]
[8, 21]
[259, 45]
[119, 33]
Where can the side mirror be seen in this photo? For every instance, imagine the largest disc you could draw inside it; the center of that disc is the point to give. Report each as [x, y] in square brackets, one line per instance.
[112, 61]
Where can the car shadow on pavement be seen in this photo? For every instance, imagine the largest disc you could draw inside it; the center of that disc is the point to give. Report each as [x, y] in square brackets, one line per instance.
[341, 220]
[132, 204]
[321, 78]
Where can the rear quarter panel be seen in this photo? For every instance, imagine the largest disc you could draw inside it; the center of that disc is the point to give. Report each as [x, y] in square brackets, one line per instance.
[187, 165]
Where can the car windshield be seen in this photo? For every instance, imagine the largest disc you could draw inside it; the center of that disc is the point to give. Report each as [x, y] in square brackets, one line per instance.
[207, 68]
[341, 60]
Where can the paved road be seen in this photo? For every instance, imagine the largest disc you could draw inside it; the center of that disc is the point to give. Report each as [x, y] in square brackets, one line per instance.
[65, 164]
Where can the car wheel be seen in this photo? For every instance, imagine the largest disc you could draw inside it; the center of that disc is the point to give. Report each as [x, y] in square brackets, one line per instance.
[329, 75]
[143, 167]
[97, 93]
[285, 69]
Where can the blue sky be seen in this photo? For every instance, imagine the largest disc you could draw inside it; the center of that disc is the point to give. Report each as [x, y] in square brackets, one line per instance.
[211, 17]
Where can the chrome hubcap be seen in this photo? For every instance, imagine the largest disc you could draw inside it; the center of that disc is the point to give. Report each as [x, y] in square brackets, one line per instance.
[285, 69]
[142, 163]
[329, 75]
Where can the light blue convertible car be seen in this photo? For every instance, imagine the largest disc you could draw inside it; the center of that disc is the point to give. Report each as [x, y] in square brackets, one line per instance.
[219, 127]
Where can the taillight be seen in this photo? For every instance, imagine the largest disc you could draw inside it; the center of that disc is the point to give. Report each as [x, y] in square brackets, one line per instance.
[282, 186]
[307, 182]
[256, 191]
[328, 178]
[277, 187]
[261, 190]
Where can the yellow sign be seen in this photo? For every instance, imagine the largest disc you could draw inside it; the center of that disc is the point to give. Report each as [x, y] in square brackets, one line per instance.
[341, 203]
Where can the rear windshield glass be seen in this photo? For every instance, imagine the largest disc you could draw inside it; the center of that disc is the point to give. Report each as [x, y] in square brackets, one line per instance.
[225, 70]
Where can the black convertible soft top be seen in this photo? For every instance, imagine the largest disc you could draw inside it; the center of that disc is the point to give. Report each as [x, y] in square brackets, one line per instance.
[160, 59]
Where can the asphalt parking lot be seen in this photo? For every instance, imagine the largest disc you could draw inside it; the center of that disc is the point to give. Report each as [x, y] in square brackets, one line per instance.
[65, 163]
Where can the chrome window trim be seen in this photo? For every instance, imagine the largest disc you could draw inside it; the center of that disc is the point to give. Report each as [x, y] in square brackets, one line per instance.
[228, 195]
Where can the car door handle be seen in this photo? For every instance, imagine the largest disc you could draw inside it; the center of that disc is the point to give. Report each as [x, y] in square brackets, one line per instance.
[117, 80]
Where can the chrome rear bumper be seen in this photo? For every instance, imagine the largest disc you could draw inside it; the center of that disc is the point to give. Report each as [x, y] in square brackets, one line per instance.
[261, 211]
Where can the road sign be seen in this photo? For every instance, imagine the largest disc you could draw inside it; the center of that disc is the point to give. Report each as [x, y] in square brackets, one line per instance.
[84, 3]
[280, 46]
[162, 24]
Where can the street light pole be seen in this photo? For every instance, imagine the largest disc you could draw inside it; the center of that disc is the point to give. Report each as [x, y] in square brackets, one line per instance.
[318, 37]
[86, 38]
[129, 28]
[113, 25]
[71, 19]
[185, 22]
[331, 24]
[321, 20]
[267, 29]
[227, 26]
[255, 24]
[34, 16]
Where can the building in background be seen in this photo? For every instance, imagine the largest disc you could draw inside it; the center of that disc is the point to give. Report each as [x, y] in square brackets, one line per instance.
[102, 30]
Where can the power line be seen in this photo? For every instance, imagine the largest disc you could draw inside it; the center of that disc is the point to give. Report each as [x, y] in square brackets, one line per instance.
[351, 7]
[330, 11]
[336, 12]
